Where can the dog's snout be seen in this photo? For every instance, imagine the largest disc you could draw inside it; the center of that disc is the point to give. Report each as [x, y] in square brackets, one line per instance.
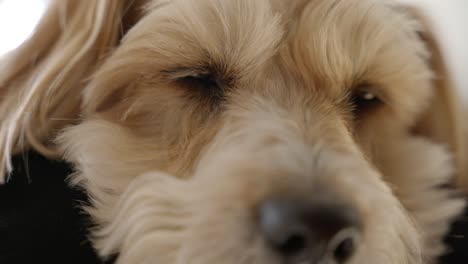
[310, 232]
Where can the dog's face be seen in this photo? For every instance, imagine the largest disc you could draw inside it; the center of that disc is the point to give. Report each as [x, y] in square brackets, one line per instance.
[262, 132]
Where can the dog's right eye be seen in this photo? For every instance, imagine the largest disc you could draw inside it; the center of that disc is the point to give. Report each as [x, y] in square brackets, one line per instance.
[206, 85]
[206, 81]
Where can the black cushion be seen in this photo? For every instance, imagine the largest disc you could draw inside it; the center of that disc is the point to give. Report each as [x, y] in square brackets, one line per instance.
[40, 218]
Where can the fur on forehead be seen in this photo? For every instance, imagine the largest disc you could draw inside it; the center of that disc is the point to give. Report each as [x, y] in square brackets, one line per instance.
[213, 29]
[203, 35]
[345, 42]
[331, 45]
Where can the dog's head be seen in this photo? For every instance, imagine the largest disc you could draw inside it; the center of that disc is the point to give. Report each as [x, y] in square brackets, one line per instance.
[293, 131]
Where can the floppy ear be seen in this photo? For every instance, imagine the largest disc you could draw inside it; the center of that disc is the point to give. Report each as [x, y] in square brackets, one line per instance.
[41, 81]
[443, 121]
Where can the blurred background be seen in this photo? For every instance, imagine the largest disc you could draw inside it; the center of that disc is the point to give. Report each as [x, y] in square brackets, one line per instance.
[17, 20]
[450, 19]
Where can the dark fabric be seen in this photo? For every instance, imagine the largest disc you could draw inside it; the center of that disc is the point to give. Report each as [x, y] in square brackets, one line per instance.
[458, 242]
[40, 219]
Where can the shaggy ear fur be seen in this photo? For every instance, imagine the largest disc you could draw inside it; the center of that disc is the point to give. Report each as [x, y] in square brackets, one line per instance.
[443, 120]
[41, 82]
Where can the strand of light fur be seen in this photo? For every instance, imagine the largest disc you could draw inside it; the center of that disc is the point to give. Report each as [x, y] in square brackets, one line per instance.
[14, 128]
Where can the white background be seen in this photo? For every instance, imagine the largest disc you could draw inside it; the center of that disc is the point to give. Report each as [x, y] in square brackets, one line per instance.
[18, 18]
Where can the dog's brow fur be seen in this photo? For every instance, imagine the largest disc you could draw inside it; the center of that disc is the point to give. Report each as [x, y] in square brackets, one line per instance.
[117, 88]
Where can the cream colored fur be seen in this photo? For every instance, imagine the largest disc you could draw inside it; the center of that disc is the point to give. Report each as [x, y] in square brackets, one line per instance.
[175, 172]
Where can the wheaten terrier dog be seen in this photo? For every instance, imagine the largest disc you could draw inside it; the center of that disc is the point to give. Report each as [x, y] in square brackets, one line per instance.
[241, 131]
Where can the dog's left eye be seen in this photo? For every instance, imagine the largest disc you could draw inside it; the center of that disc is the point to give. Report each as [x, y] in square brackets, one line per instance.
[364, 100]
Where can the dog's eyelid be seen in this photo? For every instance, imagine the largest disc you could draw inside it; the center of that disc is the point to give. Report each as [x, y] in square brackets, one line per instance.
[202, 79]
[199, 82]
[187, 73]
[364, 86]
[368, 91]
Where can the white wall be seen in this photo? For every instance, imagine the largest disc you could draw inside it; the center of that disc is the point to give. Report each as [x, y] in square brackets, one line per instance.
[17, 20]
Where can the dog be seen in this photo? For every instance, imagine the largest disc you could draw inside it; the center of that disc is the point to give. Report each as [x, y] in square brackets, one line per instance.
[237, 131]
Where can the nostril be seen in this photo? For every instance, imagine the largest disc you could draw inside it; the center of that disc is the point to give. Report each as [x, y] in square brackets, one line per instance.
[343, 245]
[293, 245]
[344, 250]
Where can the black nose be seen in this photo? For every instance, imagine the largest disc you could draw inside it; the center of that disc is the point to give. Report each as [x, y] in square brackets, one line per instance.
[310, 232]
